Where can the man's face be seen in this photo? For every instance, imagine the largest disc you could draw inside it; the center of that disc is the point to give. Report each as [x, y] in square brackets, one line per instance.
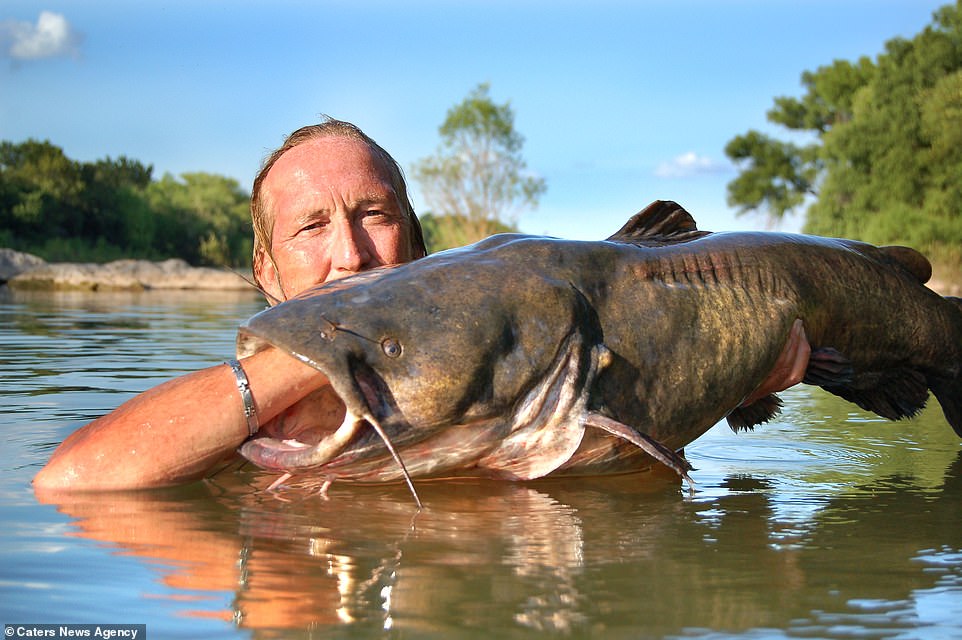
[335, 214]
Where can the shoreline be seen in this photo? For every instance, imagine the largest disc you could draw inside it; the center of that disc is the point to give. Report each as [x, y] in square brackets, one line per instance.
[25, 271]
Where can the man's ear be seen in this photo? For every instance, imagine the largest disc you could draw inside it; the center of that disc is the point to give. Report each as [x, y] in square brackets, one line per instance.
[266, 276]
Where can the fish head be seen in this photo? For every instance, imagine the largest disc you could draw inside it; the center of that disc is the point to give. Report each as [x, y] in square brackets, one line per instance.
[423, 347]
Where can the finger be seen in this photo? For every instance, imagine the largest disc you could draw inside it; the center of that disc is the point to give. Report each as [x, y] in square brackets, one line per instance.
[801, 350]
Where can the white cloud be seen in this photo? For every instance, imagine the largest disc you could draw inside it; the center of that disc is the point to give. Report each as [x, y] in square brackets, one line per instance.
[689, 164]
[51, 37]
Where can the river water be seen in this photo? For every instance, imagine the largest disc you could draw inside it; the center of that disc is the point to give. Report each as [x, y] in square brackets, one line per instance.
[828, 523]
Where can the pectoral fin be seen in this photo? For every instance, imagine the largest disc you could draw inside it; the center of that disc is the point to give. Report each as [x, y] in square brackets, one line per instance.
[649, 445]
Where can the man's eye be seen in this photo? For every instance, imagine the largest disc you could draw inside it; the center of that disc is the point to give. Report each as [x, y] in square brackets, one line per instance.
[314, 226]
[375, 216]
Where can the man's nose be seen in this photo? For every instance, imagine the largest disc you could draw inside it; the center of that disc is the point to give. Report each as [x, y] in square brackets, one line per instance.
[349, 253]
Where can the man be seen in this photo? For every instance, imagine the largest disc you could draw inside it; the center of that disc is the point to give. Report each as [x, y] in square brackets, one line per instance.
[329, 203]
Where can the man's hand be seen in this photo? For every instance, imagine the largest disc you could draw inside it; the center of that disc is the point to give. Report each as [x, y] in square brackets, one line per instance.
[790, 367]
[310, 419]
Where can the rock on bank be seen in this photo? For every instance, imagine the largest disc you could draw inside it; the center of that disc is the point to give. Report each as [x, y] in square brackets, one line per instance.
[25, 271]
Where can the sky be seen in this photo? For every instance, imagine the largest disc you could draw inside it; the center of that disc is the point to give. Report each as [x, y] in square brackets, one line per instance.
[620, 103]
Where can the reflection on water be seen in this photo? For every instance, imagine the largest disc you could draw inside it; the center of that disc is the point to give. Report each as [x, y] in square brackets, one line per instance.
[826, 524]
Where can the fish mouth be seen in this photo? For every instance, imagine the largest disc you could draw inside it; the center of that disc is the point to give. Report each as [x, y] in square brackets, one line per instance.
[361, 435]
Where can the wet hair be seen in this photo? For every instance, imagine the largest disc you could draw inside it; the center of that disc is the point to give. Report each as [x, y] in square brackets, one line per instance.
[263, 219]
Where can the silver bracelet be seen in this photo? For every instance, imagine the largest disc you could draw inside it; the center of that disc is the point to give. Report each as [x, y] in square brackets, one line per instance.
[244, 386]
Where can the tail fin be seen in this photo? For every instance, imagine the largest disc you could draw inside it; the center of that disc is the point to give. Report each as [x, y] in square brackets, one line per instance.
[949, 395]
[948, 391]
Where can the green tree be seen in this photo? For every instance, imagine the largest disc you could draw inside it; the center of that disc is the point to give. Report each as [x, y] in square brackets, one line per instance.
[61, 209]
[202, 218]
[447, 232]
[112, 203]
[40, 190]
[876, 152]
[477, 180]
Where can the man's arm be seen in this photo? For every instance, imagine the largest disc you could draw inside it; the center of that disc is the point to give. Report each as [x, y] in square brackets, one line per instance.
[178, 430]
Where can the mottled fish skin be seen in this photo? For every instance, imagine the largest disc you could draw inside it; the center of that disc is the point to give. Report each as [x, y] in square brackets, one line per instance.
[495, 359]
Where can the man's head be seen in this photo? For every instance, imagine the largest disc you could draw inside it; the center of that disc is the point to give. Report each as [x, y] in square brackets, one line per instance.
[328, 203]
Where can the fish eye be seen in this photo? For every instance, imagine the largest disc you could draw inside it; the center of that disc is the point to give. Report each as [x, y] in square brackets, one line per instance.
[391, 347]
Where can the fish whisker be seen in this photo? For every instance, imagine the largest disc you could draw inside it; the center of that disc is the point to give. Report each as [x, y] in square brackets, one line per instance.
[271, 299]
[334, 327]
[397, 458]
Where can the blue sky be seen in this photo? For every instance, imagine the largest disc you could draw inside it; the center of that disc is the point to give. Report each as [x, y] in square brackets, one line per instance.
[620, 103]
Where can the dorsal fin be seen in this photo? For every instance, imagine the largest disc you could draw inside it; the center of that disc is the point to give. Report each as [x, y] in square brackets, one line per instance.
[910, 260]
[661, 222]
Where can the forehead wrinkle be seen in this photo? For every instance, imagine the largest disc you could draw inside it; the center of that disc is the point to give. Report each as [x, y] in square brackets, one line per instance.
[347, 198]
[314, 192]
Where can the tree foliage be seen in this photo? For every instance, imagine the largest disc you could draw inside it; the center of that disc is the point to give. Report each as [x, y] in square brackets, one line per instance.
[61, 209]
[476, 184]
[447, 232]
[883, 161]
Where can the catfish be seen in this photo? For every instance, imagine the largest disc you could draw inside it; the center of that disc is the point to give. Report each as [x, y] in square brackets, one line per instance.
[522, 356]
